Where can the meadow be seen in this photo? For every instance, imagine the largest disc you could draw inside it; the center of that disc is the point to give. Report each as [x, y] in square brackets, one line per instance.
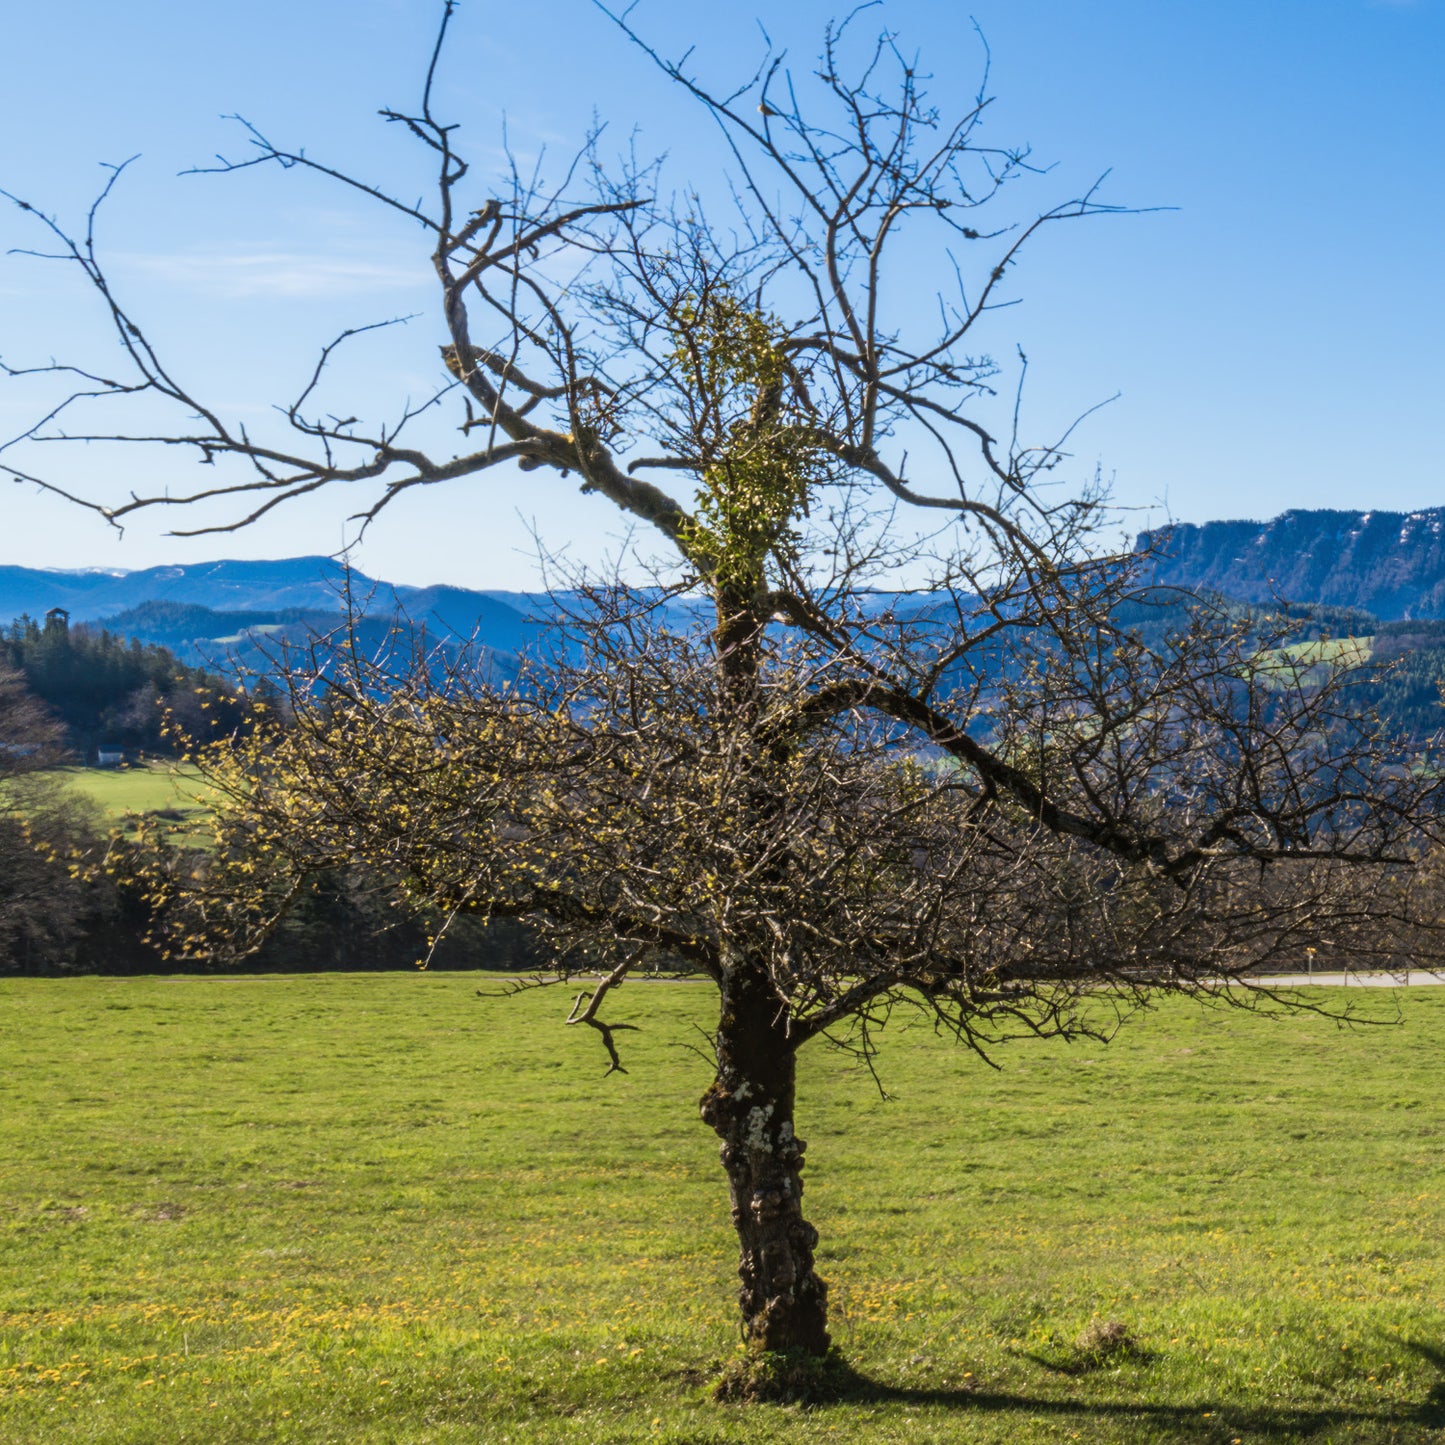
[390, 1208]
[139, 788]
[1315, 661]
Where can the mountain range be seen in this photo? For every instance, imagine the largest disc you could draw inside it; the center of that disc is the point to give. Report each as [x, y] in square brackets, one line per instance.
[1378, 577]
[1389, 563]
[228, 613]
[92, 593]
[315, 584]
[238, 616]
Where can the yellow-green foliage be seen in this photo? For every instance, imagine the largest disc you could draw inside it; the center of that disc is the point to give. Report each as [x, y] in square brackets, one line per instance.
[362, 1209]
[763, 460]
[503, 804]
[283, 804]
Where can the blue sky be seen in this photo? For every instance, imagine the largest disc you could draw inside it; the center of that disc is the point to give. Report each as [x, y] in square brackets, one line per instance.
[1276, 338]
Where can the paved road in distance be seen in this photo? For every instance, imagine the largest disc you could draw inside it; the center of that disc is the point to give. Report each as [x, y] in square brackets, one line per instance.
[1411, 978]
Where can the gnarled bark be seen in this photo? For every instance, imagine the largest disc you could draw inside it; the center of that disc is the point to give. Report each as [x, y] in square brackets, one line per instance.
[750, 1106]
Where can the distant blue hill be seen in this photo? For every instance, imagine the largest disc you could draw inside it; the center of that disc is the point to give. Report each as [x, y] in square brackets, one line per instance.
[261, 641]
[242, 614]
[310, 584]
[233, 616]
[505, 620]
[94, 592]
[1389, 563]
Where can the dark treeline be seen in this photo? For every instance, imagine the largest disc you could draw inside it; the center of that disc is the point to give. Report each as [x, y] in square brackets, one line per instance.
[1155, 612]
[56, 921]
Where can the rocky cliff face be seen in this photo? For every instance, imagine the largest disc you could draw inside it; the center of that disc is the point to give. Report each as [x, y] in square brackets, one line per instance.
[1390, 563]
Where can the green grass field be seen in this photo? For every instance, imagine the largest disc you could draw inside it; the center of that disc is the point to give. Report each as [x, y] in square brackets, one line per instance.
[1315, 662]
[1338, 651]
[370, 1209]
[144, 788]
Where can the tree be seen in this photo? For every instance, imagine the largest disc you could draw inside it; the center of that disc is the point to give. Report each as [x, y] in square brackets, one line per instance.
[954, 772]
[30, 738]
[41, 823]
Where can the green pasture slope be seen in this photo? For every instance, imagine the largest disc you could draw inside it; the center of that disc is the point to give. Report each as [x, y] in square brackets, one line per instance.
[1314, 662]
[1337, 651]
[142, 788]
[367, 1209]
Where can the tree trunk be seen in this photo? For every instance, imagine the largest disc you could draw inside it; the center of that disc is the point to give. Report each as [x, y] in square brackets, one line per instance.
[750, 1106]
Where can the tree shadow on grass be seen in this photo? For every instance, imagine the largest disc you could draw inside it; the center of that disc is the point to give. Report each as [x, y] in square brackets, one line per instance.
[1200, 1420]
[1432, 1410]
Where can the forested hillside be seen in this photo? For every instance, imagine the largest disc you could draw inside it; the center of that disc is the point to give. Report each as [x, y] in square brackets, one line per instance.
[109, 690]
[1410, 673]
[1400, 665]
[1389, 563]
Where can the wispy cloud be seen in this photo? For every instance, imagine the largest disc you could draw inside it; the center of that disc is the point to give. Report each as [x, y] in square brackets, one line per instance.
[246, 273]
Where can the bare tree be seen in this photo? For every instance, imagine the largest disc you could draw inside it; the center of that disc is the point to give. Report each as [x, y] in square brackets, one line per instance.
[1006, 794]
[30, 738]
[42, 825]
